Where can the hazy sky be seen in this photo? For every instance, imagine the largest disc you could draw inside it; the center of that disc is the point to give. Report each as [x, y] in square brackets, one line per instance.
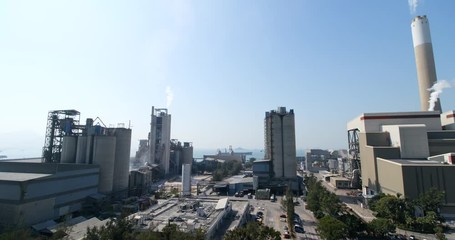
[218, 65]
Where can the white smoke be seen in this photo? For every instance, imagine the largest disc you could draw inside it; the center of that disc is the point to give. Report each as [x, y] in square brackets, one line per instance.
[436, 90]
[413, 5]
[169, 96]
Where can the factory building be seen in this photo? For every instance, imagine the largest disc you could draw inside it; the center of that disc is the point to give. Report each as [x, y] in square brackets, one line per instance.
[140, 181]
[407, 153]
[35, 192]
[279, 169]
[78, 161]
[189, 214]
[316, 159]
[160, 139]
[180, 154]
[280, 142]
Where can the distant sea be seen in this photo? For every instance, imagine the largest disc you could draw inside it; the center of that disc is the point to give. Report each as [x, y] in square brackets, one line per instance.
[256, 153]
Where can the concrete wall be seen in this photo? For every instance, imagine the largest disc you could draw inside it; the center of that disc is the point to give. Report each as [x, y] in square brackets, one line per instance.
[373, 145]
[280, 143]
[448, 120]
[290, 163]
[373, 122]
[411, 139]
[441, 142]
[35, 199]
[390, 177]
[26, 214]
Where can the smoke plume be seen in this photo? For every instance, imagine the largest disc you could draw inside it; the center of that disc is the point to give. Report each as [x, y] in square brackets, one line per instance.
[169, 96]
[413, 5]
[436, 90]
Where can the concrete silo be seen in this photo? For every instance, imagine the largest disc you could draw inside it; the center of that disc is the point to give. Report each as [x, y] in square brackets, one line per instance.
[122, 158]
[426, 70]
[69, 144]
[187, 153]
[186, 179]
[104, 156]
[81, 151]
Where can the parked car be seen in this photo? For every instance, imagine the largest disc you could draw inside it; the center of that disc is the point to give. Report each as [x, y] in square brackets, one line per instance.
[286, 234]
[273, 198]
[299, 229]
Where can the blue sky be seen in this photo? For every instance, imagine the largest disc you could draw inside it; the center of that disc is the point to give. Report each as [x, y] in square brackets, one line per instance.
[217, 65]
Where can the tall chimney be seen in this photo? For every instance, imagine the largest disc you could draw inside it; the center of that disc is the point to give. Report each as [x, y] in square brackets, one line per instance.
[426, 70]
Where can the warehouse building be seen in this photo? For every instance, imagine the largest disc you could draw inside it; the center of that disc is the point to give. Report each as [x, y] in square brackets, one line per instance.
[35, 192]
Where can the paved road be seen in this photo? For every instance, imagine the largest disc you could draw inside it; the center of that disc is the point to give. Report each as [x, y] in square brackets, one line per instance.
[272, 212]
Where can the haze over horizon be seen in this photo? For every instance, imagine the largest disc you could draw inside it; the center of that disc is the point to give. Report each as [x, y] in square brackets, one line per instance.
[218, 66]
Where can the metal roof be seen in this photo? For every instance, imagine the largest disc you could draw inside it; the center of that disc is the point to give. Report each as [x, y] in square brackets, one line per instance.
[222, 203]
[21, 177]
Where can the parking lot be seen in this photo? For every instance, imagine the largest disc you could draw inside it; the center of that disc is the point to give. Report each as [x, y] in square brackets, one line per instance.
[273, 210]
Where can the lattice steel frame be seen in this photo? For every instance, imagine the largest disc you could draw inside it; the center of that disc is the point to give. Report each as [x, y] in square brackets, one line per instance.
[57, 121]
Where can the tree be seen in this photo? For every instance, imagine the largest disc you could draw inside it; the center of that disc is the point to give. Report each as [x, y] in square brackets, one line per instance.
[115, 229]
[14, 234]
[253, 231]
[391, 207]
[330, 228]
[289, 206]
[430, 201]
[379, 227]
[330, 204]
[354, 225]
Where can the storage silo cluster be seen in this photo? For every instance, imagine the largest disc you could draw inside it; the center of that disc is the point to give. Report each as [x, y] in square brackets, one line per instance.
[107, 147]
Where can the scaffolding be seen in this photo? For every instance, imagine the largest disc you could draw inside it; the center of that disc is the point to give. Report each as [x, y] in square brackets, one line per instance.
[354, 150]
[59, 123]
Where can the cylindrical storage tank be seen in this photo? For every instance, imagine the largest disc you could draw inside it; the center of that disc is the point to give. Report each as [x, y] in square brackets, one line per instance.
[104, 156]
[186, 179]
[122, 159]
[81, 152]
[69, 144]
[187, 155]
[89, 152]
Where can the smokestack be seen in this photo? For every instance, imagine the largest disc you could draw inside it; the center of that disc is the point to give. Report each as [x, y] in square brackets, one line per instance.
[426, 70]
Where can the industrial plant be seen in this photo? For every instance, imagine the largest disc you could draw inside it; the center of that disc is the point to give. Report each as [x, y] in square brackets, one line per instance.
[159, 156]
[85, 166]
[407, 153]
[78, 161]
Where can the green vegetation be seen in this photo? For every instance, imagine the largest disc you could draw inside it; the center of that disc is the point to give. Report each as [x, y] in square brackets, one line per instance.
[253, 231]
[228, 168]
[421, 214]
[15, 233]
[330, 228]
[320, 201]
[123, 229]
[379, 227]
[249, 164]
[288, 204]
